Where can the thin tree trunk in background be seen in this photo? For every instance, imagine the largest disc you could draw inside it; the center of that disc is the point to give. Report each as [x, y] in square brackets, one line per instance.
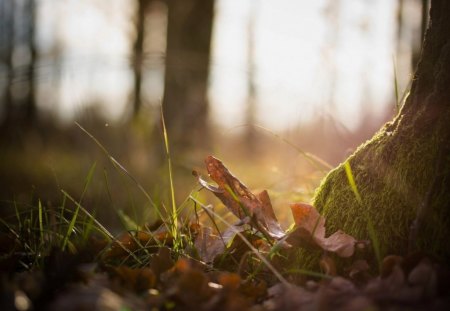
[185, 103]
[138, 56]
[332, 13]
[250, 134]
[6, 47]
[30, 100]
[399, 26]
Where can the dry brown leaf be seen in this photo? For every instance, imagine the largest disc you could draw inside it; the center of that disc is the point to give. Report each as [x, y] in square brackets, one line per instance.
[210, 245]
[327, 265]
[137, 280]
[161, 262]
[310, 231]
[230, 281]
[240, 200]
[358, 271]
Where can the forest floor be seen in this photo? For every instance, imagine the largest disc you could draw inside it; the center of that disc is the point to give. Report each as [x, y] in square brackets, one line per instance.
[198, 255]
[63, 259]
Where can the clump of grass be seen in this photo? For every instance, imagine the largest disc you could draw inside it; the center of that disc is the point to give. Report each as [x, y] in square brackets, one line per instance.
[38, 230]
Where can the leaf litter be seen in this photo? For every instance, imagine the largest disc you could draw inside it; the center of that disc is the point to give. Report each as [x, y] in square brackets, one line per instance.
[220, 270]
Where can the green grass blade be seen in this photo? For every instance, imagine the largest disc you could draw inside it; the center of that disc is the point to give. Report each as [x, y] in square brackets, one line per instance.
[88, 180]
[101, 228]
[172, 188]
[63, 208]
[70, 227]
[41, 224]
[351, 181]
[72, 223]
[127, 222]
[88, 227]
[397, 99]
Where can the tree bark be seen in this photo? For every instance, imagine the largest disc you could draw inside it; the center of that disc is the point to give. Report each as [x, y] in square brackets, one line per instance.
[403, 172]
[187, 65]
[7, 9]
[138, 57]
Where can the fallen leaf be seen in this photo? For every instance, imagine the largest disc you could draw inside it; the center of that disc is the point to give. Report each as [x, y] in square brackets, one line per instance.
[210, 245]
[161, 262]
[138, 280]
[388, 264]
[267, 214]
[310, 231]
[358, 271]
[240, 200]
[327, 265]
[229, 281]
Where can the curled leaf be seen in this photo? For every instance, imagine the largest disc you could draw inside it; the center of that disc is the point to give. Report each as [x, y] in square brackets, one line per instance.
[310, 231]
[205, 184]
[240, 200]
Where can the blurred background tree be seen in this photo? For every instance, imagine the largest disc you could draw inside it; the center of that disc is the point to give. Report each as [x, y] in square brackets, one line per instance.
[19, 57]
[188, 53]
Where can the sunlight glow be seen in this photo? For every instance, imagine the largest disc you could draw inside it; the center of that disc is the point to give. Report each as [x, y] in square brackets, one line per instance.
[312, 58]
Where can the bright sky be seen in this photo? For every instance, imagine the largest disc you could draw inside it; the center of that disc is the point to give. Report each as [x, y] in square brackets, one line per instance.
[302, 49]
[299, 54]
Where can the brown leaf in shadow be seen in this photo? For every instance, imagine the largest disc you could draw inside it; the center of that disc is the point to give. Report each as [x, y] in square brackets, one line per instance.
[161, 262]
[210, 245]
[310, 232]
[137, 280]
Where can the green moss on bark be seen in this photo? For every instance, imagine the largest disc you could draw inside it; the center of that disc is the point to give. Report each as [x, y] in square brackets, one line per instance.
[404, 170]
[393, 172]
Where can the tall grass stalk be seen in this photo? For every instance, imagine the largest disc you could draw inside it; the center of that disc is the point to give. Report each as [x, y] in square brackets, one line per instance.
[41, 224]
[72, 223]
[397, 99]
[172, 188]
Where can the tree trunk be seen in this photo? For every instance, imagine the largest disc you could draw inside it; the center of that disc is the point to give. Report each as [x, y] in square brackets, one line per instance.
[250, 113]
[187, 66]
[7, 9]
[30, 100]
[403, 172]
[138, 51]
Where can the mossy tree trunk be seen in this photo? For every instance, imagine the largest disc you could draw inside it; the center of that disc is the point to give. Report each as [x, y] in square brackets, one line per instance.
[403, 172]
